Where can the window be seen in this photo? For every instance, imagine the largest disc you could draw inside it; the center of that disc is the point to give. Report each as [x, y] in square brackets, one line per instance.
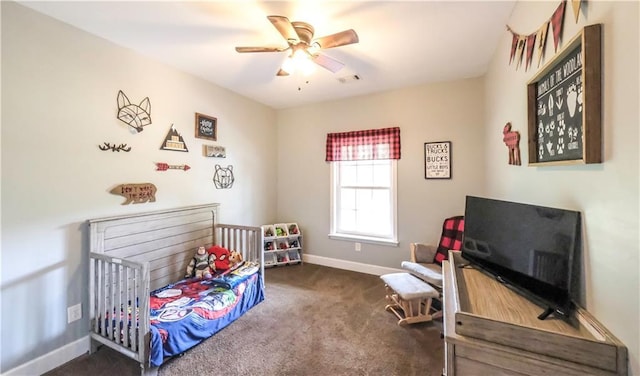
[363, 184]
[364, 200]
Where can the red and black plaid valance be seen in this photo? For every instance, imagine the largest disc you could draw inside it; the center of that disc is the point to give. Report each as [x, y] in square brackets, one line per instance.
[364, 145]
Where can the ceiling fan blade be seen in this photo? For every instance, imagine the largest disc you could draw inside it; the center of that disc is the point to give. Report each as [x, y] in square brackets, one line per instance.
[285, 28]
[282, 73]
[338, 39]
[326, 62]
[259, 49]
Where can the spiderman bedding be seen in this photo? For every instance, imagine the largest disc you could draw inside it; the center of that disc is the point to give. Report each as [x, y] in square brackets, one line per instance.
[185, 313]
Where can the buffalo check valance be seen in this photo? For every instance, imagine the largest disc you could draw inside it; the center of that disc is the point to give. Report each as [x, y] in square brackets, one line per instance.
[363, 145]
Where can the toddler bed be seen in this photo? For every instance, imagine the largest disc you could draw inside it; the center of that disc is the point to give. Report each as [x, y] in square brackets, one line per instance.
[140, 303]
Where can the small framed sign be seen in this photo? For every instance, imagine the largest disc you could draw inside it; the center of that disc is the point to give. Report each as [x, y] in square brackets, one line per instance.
[206, 127]
[437, 160]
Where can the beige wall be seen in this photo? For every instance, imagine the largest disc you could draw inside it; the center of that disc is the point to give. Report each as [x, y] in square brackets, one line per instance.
[439, 112]
[472, 114]
[58, 102]
[606, 194]
[59, 88]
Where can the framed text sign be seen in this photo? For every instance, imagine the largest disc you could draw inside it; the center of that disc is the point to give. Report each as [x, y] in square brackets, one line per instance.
[564, 104]
[437, 160]
[206, 127]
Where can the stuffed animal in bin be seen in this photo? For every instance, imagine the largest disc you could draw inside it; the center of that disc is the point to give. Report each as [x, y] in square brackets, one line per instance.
[199, 266]
[219, 257]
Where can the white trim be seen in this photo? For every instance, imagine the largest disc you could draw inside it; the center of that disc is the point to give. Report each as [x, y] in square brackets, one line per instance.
[52, 360]
[348, 265]
[364, 239]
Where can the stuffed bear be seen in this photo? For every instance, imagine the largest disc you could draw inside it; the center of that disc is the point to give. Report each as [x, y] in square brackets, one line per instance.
[200, 265]
[235, 259]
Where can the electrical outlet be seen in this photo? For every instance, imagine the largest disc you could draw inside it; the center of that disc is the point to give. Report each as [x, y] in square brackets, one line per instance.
[74, 313]
[358, 247]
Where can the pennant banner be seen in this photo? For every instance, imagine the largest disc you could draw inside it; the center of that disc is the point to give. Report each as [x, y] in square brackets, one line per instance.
[542, 40]
[514, 45]
[531, 44]
[520, 43]
[556, 24]
[576, 8]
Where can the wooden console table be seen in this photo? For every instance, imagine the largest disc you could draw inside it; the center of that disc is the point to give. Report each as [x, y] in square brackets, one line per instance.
[491, 330]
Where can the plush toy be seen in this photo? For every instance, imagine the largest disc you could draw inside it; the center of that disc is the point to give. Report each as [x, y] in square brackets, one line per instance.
[235, 258]
[199, 266]
[219, 257]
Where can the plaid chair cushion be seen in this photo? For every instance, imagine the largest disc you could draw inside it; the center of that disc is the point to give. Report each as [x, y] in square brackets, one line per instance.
[452, 231]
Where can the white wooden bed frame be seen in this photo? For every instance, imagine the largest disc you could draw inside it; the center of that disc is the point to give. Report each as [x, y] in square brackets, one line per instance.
[134, 254]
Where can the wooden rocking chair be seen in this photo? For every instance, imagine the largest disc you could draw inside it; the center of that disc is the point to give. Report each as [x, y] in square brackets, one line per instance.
[426, 259]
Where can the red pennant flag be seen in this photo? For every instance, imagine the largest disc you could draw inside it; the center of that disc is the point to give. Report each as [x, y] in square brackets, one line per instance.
[514, 45]
[531, 44]
[522, 41]
[557, 20]
[542, 40]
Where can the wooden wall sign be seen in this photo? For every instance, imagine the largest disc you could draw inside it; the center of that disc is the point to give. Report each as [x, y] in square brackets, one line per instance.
[564, 104]
[137, 193]
[174, 141]
[214, 151]
[437, 160]
[206, 127]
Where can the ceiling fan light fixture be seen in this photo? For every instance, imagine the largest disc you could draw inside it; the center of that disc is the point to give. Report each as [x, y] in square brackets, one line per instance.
[305, 51]
[288, 65]
[300, 61]
[314, 48]
[306, 66]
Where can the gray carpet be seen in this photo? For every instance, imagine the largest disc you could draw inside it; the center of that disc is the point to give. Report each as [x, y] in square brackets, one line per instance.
[315, 320]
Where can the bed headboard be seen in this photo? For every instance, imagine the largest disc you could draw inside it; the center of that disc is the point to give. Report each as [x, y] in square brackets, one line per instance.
[167, 239]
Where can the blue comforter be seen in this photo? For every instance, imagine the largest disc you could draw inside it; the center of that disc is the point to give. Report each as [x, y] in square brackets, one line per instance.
[185, 313]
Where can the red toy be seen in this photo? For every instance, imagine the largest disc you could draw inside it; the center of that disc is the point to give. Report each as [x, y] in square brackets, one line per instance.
[219, 256]
[512, 140]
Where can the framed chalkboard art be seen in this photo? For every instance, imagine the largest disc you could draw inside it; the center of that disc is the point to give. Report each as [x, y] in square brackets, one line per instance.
[206, 127]
[437, 160]
[564, 104]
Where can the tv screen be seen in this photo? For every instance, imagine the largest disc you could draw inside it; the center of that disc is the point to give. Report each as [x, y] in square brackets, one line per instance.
[528, 247]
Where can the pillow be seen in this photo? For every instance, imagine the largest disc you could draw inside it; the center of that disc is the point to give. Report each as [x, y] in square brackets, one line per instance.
[452, 231]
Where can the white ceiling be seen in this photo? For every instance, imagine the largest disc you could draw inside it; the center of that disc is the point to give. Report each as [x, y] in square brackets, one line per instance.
[401, 43]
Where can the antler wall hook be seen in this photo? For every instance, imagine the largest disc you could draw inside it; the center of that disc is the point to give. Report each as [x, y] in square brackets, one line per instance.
[118, 148]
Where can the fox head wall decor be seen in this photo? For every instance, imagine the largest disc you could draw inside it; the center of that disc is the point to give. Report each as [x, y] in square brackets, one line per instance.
[136, 116]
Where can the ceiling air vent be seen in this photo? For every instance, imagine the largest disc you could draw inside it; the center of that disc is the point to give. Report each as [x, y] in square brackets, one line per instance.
[348, 79]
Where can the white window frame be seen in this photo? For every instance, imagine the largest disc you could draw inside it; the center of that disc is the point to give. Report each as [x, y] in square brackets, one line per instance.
[336, 233]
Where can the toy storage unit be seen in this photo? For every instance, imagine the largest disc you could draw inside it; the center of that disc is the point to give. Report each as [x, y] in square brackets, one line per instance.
[282, 244]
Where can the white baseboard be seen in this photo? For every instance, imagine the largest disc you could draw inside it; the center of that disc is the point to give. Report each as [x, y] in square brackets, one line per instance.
[52, 360]
[349, 265]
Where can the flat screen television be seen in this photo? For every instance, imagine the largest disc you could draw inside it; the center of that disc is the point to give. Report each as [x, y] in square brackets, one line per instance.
[529, 248]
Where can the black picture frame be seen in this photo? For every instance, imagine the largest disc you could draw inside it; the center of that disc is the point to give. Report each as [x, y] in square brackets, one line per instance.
[437, 160]
[206, 127]
[564, 104]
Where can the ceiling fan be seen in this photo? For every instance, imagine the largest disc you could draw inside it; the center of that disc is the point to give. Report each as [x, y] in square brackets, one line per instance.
[299, 37]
